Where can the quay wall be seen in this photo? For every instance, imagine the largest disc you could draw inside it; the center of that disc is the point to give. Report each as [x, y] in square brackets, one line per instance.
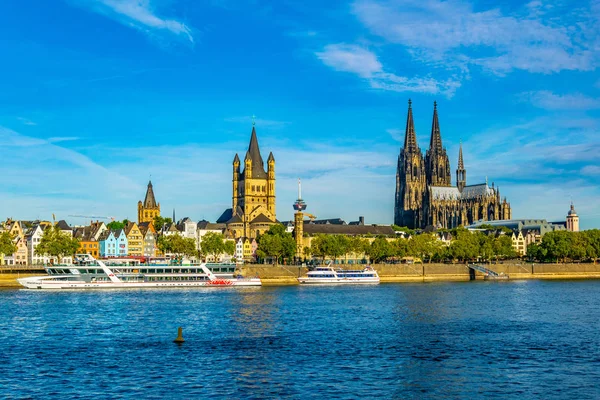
[287, 274]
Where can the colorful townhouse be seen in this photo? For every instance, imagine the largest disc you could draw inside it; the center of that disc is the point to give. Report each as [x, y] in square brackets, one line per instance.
[149, 248]
[17, 230]
[88, 237]
[135, 240]
[113, 243]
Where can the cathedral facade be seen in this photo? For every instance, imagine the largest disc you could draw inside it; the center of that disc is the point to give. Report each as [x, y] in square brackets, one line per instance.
[252, 210]
[424, 192]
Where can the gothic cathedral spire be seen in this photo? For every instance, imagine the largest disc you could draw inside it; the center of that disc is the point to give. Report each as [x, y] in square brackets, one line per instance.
[410, 137]
[461, 172]
[436, 160]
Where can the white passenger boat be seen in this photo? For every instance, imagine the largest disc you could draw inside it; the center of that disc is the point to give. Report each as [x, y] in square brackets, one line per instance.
[329, 275]
[89, 273]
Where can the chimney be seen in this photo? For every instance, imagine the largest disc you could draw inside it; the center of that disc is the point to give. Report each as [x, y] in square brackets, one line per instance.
[361, 220]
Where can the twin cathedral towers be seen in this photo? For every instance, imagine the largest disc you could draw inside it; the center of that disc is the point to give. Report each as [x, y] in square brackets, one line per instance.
[424, 192]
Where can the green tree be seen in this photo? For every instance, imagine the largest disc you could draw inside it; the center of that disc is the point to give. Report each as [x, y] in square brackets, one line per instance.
[404, 229]
[503, 247]
[357, 246]
[213, 243]
[159, 222]
[56, 243]
[380, 249]
[229, 247]
[116, 225]
[177, 245]
[424, 246]
[7, 244]
[276, 243]
[400, 247]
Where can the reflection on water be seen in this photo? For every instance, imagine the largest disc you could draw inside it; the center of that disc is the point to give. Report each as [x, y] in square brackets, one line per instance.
[448, 340]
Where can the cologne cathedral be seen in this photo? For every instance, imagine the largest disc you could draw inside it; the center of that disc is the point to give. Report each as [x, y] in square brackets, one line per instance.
[424, 192]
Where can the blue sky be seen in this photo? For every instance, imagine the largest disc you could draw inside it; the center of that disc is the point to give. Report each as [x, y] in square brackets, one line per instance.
[97, 95]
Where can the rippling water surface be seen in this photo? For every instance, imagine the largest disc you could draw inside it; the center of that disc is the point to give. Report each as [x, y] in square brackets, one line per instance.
[529, 339]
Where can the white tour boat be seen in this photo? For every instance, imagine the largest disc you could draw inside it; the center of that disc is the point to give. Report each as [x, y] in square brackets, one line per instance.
[89, 273]
[329, 275]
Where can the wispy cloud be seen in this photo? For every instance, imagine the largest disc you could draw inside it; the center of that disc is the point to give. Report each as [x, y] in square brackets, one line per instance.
[26, 121]
[139, 14]
[364, 63]
[536, 38]
[550, 101]
[396, 134]
[58, 139]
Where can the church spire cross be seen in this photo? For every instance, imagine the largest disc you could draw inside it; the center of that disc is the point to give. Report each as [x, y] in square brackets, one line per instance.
[410, 138]
[253, 119]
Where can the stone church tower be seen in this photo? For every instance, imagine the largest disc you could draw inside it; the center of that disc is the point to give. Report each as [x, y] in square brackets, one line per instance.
[410, 179]
[253, 194]
[149, 208]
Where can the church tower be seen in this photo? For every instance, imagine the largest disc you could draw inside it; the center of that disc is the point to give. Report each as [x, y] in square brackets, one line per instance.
[149, 208]
[410, 179]
[437, 163]
[253, 193]
[572, 220]
[461, 172]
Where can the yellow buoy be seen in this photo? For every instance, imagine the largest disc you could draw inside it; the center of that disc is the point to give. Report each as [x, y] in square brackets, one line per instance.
[179, 338]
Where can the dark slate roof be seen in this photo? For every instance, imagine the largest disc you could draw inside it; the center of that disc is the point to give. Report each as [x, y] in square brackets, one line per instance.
[117, 232]
[235, 219]
[62, 224]
[332, 229]
[330, 221]
[129, 227]
[104, 235]
[262, 218]
[253, 153]
[210, 226]
[85, 234]
[150, 201]
[472, 191]
[226, 216]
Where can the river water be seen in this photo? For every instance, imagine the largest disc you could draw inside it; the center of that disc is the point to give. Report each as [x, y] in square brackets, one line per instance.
[525, 339]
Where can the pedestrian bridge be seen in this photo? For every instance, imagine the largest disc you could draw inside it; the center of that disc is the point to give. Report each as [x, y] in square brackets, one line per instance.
[487, 273]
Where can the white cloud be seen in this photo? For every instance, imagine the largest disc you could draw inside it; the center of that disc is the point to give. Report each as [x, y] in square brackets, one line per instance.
[351, 58]
[364, 63]
[451, 32]
[550, 101]
[139, 14]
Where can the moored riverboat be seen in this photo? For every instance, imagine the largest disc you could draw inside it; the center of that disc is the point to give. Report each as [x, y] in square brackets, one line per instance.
[89, 273]
[328, 275]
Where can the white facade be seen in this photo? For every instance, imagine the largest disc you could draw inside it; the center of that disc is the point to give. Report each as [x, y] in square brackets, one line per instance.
[33, 239]
[239, 250]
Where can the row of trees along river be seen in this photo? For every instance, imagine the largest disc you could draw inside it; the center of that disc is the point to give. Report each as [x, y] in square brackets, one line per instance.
[278, 245]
